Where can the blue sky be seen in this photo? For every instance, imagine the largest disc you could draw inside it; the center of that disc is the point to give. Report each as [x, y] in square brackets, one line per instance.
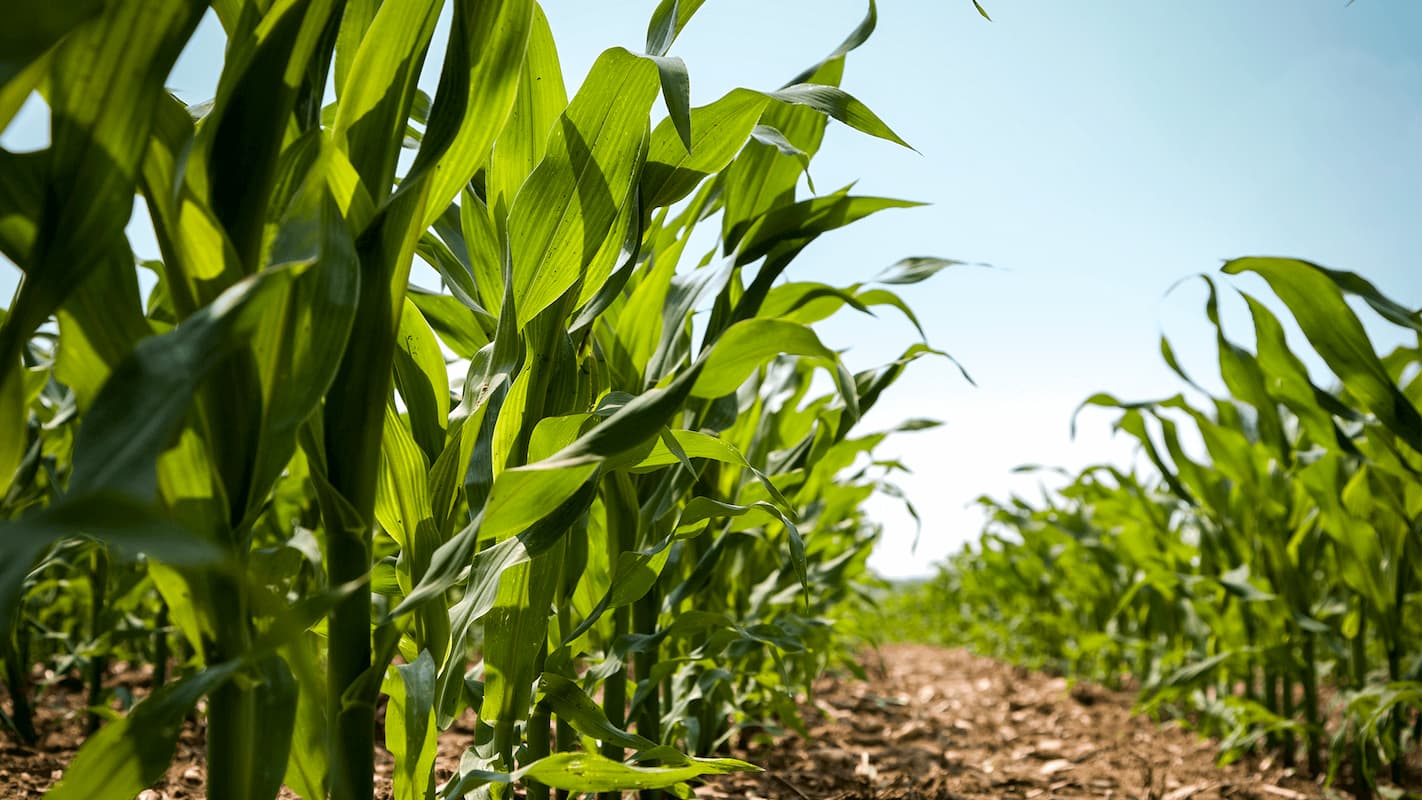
[1095, 153]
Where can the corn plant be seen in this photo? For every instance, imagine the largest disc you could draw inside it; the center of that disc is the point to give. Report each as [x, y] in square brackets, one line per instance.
[1238, 586]
[622, 529]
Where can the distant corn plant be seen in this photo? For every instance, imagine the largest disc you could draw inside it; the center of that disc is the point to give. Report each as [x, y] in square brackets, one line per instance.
[615, 539]
[1237, 588]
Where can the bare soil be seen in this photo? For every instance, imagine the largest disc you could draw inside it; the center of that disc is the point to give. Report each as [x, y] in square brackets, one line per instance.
[929, 724]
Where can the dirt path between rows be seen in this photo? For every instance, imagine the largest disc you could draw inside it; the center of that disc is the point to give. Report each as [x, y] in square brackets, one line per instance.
[936, 724]
[930, 724]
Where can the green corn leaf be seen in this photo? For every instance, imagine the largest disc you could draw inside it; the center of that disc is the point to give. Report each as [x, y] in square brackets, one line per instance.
[526, 505]
[768, 135]
[761, 177]
[452, 321]
[1289, 380]
[355, 22]
[913, 270]
[884, 297]
[306, 762]
[1314, 297]
[409, 729]
[540, 99]
[676, 93]
[99, 325]
[14, 417]
[567, 207]
[15, 91]
[105, 82]
[22, 188]
[402, 500]
[719, 130]
[1246, 381]
[486, 251]
[700, 509]
[142, 406]
[33, 28]
[667, 22]
[515, 630]
[478, 85]
[422, 379]
[256, 93]
[299, 340]
[856, 37]
[746, 346]
[572, 704]
[796, 225]
[379, 89]
[125, 756]
[839, 104]
[276, 706]
[588, 772]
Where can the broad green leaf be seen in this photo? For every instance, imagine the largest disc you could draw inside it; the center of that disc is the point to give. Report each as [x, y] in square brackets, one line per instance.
[22, 188]
[306, 763]
[105, 82]
[409, 729]
[300, 339]
[33, 28]
[486, 250]
[676, 93]
[573, 705]
[748, 345]
[515, 630]
[532, 502]
[539, 101]
[265, 64]
[634, 574]
[700, 509]
[1289, 380]
[566, 209]
[142, 406]
[667, 22]
[452, 321]
[588, 772]
[422, 379]
[14, 417]
[477, 88]
[20, 88]
[402, 500]
[276, 706]
[761, 177]
[796, 225]
[127, 755]
[1246, 381]
[379, 89]
[719, 130]
[355, 22]
[1314, 298]
[766, 134]
[841, 105]
[99, 325]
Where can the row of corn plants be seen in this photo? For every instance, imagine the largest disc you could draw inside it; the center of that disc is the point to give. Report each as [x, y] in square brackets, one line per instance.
[1262, 573]
[589, 488]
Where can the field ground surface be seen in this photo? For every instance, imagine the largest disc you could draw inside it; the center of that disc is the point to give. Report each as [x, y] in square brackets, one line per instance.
[929, 724]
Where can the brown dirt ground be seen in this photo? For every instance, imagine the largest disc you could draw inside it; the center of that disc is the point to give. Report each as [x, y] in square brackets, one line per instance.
[930, 724]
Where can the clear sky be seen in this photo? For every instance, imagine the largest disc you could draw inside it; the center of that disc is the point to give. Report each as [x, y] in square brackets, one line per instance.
[1095, 153]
